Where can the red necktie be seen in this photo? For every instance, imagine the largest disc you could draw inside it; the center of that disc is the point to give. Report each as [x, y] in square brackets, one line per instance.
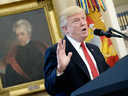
[90, 62]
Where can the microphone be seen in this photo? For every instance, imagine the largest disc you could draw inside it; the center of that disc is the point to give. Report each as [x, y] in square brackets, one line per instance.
[108, 34]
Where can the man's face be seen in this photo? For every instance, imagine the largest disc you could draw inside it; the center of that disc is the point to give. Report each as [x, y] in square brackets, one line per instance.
[77, 27]
[22, 35]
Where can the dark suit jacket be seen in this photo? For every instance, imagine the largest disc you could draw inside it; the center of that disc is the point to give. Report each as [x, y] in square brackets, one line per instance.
[76, 73]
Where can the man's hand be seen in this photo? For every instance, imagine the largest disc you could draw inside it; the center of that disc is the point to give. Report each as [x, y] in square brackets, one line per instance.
[62, 59]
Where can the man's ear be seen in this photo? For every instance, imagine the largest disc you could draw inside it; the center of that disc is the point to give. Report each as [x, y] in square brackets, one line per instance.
[65, 30]
[29, 35]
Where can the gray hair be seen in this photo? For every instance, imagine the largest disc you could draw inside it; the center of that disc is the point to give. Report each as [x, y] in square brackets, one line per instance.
[21, 22]
[66, 13]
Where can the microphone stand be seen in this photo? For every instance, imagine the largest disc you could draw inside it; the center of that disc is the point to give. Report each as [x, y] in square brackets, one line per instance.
[124, 36]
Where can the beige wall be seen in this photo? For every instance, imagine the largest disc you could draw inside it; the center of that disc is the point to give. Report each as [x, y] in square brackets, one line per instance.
[62, 4]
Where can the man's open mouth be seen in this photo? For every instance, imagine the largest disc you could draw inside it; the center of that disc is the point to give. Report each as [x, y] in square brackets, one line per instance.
[84, 29]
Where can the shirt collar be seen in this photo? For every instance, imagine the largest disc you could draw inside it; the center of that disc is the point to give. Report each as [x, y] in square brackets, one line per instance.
[75, 43]
[27, 42]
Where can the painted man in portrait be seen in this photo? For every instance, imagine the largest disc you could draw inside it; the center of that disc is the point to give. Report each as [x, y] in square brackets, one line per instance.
[24, 62]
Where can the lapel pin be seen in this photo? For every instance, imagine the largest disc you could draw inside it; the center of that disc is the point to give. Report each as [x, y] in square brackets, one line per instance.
[92, 49]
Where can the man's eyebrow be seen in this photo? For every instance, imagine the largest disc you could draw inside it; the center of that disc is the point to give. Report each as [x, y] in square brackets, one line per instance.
[75, 18]
[78, 18]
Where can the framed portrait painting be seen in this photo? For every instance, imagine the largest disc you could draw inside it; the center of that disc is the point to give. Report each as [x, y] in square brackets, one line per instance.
[27, 29]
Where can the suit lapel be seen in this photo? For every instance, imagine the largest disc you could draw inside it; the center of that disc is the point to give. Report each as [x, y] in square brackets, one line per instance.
[76, 57]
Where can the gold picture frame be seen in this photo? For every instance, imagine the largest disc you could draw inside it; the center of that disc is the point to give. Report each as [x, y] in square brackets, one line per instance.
[54, 31]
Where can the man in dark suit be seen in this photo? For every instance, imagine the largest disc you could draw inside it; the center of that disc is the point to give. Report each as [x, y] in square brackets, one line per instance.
[66, 68]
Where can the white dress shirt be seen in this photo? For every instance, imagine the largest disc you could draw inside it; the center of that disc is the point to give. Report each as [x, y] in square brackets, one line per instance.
[78, 48]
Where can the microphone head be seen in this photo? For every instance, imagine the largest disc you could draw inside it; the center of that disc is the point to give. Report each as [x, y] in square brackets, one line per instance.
[98, 32]
[108, 34]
